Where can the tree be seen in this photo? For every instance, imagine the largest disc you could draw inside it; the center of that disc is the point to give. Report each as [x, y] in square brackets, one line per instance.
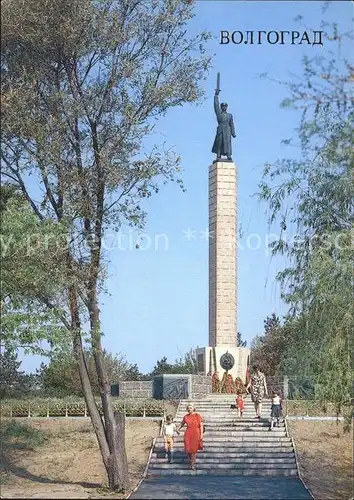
[271, 323]
[267, 350]
[186, 364]
[161, 367]
[61, 377]
[8, 191]
[14, 383]
[10, 376]
[29, 254]
[82, 83]
[240, 342]
[314, 196]
[133, 373]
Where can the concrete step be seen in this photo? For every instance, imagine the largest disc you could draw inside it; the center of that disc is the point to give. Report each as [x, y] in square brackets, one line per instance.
[216, 461]
[231, 433]
[249, 451]
[214, 398]
[158, 472]
[242, 431]
[225, 411]
[227, 406]
[209, 466]
[219, 404]
[236, 421]
[236, 424]
[244, 434]
[270, 438]
[235, 451]
[223, 472]
[219, 399]
[231, 401]
[233, 417]
[229, 455]
[226, 414]
[211, 427]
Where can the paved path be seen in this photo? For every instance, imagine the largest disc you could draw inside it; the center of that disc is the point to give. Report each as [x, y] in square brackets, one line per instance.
[222, 487]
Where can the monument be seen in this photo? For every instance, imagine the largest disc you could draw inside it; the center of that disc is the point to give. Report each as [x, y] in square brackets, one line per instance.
[223, 353]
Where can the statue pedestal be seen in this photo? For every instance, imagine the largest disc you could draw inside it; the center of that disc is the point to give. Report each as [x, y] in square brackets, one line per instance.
[222, 254]
[208, 360]
[223, 274]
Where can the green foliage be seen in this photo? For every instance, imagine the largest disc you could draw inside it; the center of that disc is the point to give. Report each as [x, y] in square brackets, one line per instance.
[13, 381]
[31, 250]
[187, 364]
[267, 350]
[133, 373]
[314, 197]
[61, 377]
[313, 408]
[10, 375]
[240, 342]
[161, 367]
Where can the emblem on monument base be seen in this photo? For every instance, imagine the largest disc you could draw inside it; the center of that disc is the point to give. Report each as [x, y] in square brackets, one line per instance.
[227, 361]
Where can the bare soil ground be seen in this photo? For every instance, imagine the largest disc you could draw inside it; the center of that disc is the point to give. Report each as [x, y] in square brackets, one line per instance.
[68, 463]
[325, 457]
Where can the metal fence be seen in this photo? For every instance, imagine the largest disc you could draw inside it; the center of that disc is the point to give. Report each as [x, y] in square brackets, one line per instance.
[78, 409]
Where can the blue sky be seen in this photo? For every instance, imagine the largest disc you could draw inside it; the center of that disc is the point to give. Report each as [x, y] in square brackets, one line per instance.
[158, 298]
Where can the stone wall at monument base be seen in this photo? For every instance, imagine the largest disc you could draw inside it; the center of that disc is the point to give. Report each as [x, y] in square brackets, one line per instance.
[166, 387]
[132, 389]
[201, 386]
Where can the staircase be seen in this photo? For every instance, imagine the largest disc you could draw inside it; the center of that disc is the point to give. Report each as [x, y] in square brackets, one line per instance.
[233, 446]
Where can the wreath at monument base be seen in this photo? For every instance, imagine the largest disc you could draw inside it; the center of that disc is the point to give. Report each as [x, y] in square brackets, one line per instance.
[228, 384]
[216, 383]
[240, 386]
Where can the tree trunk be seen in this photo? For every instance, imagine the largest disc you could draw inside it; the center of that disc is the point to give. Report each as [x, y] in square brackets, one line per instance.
[85, 381]
[122, 465]
[117, 469]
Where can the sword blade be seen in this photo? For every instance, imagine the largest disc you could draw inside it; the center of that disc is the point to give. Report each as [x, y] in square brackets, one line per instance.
[218, 81]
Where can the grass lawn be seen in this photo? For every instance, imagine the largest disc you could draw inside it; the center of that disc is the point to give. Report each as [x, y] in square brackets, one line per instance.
[59, 458]
[325, 457]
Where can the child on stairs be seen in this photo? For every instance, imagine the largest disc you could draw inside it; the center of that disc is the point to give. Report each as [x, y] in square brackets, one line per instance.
[240, 404]
[169, 430]
[276, 410]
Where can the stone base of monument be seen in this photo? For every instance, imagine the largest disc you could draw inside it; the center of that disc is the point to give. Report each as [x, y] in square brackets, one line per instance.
[209, 360]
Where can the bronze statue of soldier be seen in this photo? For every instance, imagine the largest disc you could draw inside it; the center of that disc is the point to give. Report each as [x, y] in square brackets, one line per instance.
[226, 129]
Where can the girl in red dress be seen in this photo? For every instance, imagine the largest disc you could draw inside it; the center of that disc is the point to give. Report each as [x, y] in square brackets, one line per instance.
[193, 437]
[240, 403]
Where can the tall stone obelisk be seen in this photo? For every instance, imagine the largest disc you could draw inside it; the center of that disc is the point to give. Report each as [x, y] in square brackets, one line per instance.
[223, 255]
